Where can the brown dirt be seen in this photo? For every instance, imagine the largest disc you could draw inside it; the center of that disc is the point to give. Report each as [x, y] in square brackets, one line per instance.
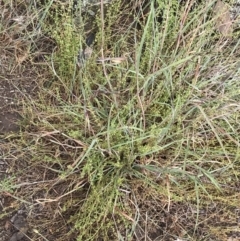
[13, 89]
[15, 86]
[20, 78]
[9, 117]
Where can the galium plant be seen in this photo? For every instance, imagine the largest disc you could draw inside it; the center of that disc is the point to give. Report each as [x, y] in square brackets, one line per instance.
[135, 142]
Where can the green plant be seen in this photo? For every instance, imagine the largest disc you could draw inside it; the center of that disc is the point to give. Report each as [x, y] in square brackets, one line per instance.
[128, 148]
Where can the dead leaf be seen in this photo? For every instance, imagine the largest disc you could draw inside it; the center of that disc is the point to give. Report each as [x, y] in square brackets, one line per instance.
[20, 19]
[7, 225]
[223, 18]
[115, 60]
[88, 52]
[21, 58]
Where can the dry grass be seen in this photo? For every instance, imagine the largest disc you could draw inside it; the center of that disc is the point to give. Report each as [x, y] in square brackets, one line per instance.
[143, 149]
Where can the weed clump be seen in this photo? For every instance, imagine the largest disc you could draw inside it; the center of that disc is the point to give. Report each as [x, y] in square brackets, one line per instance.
[142, 147]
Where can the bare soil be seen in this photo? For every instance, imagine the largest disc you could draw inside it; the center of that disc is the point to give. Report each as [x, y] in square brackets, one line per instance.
[8, 109]
[16, 83]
